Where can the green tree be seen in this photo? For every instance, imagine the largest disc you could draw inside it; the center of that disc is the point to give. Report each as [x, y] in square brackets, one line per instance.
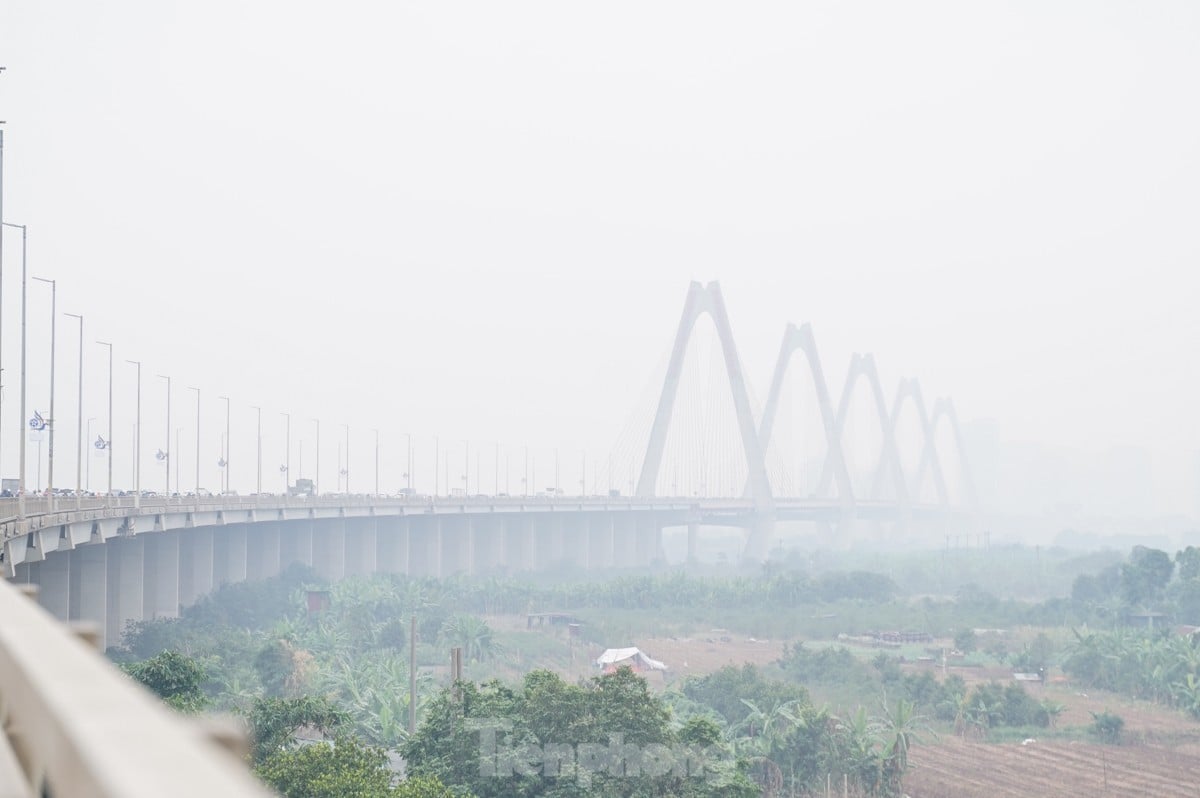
[274, 721]
[1107, 726]
[1188, 563]
[965, 640]
[1145, 575]
[345, 768]
[177, 679]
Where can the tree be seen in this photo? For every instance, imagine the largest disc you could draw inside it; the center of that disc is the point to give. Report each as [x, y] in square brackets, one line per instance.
[1107, 726]
[345, 768]
[1145, 576]
[273, 722]
[1188, 563]
[177, 679]
[965, 640]
[422, 787]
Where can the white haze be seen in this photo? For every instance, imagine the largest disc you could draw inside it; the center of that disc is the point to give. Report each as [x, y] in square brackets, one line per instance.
[479, 220]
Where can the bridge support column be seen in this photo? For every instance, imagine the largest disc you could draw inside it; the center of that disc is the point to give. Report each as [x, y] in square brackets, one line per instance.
[547, 541]
[361, 542]
[89, 587]
[424, 546]
[329, 548]
[624, 539]
[125, 573]
[693, 538]
[599, 541]
[649, 538]
[195, 565]
[573, 537]
[391, 545]
[161, 575]
[296, 543]
[456, 545]
[526, 538]
[263, 553]
[53, 577]
[759, 540]
[229, 554]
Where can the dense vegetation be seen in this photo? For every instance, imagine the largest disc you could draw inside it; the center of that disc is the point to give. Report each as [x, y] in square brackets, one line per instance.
[326, 692]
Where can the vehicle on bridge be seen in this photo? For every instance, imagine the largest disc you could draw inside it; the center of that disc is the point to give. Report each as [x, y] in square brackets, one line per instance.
[303, 487]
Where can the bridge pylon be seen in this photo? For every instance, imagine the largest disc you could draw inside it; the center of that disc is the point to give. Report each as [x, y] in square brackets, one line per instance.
[702, 300]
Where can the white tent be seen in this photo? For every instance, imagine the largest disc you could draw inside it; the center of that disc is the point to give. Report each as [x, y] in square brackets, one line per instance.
[614, 658]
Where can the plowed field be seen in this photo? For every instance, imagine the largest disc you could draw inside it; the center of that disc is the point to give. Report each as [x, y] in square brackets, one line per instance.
[954, 768]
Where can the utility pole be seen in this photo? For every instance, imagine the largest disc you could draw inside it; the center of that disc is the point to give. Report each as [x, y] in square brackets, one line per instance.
[167, 458]
[110, 414]
[197, 390]
[228, 445]
[258, 490]
[52, 421]
[412, 675]
[79, 442]
[137, 440]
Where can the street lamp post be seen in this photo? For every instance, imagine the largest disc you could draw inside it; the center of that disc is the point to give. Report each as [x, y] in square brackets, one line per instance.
[228, 445]
[108, 447]
[347, 427]
[408, 475]
[137, 440]
[376, 463]
[259, 480]
[87, 480]
[287, 452]
[21, 420]
[317, 472]
[52, 421]
[197, 390]
[79, 443]
[167, 459]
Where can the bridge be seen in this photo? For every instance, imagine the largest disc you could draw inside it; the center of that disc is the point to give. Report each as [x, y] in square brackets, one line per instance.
[113, 560]
[99, 563]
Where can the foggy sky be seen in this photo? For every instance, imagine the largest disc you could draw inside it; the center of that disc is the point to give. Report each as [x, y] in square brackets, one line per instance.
[479, 220]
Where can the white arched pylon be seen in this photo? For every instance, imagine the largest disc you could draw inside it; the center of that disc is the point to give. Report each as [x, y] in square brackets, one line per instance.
[864, 366]
[944, 408]
[802, 339]
[910, 390]
[701, 300]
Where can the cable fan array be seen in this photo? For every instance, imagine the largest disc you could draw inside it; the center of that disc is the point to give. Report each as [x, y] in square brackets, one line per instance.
[697, 430]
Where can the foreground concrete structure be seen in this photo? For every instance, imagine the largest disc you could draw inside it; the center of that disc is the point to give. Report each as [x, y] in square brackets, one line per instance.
[75, 726]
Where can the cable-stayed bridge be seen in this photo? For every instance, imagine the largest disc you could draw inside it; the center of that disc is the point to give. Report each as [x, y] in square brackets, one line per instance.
[100, 563]
[112, 560]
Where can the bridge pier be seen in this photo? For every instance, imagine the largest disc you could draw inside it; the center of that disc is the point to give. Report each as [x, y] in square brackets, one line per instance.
[229, 554]
[361, 542]
[457, 556]
[693, 539]
[391, 545]
[487, 544]
[624, 540]
[599, 541]
[89, 588]
[329, 548]
[263, 554]
[160, 575]
[195, 565]
[648, 539]
[424, 546]
[296, 543]
[53, 578]
[125, 585]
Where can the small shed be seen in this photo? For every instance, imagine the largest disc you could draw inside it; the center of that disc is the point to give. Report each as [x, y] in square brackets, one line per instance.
[633, 658]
